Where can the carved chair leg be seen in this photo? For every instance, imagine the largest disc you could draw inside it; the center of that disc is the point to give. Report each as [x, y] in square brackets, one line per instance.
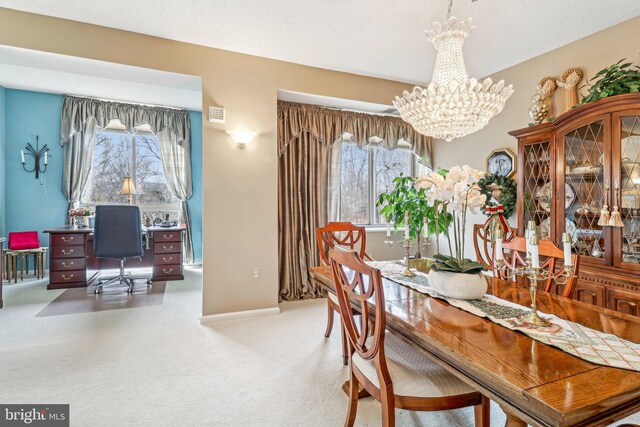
[388, 408]
[330, 312]
[345, 349]
[482, 413]
[353, 400]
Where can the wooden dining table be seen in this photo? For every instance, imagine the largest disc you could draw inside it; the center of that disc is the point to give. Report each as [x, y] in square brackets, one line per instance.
[533, 383]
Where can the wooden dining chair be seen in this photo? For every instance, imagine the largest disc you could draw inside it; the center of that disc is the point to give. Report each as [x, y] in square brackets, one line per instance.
[552, 253]
[484, 246]
[394, 372]
[344, 234]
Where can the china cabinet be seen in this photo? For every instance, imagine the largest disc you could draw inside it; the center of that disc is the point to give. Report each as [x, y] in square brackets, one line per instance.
[572, 171]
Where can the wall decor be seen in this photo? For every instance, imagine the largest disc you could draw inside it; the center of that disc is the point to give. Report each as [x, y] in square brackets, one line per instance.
[502, 162]
[569, 82]
[500, 190]
[542, 107]
[37, 153]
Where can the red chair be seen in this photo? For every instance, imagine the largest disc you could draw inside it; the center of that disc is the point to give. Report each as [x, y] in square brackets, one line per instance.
[343, 234]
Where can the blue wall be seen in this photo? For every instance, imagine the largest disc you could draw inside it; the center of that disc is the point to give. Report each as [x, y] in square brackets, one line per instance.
[32, 206]
[2, 142]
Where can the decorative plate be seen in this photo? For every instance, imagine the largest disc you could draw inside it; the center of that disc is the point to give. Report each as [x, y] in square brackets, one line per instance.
[569, 227]
[544, 196]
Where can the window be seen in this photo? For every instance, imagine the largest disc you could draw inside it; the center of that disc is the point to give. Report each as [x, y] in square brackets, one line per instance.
[117, 155]
[367, 172]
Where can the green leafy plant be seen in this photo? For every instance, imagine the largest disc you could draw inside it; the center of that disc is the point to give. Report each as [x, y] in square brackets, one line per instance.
[404, 197]
[616, 79]
[451, 264]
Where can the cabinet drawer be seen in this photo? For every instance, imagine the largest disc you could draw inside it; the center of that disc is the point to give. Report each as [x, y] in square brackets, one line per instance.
[160, 271]
[589, 292]
[67, 239]
[68, 264]
[167, 259]
[72, 276]
[167, 236]
[167, 248]
[67, 251]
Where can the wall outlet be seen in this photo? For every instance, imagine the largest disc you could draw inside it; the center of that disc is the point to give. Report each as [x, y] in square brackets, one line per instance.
[255, 274]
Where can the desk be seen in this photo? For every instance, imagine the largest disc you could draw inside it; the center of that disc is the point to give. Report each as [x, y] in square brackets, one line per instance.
[531, 381]
[2, 239]
[72, 263]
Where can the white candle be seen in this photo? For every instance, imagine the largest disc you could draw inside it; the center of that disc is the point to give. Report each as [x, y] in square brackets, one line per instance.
[499, 253]
[535, 253]
[425, 228]
[566, 243]
[388, 228]
[407, 232]
[22, 154]
[526, 239]
[45, 157]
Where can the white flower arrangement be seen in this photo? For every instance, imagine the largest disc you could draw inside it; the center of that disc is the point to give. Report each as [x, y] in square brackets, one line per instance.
[457, 192]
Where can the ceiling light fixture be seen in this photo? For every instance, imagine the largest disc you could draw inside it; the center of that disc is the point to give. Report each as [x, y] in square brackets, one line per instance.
[452, 105]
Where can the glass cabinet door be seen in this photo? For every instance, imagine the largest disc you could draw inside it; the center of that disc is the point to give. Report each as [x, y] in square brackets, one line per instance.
[585, 189]
[627, 147]
[537, 183]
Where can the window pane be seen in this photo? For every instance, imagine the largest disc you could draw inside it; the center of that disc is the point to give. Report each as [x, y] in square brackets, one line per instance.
[115, 156]
[388, 165]
[354, 201]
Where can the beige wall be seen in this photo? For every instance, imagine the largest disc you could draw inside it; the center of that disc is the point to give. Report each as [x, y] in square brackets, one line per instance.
[240, 194]
[591, 54]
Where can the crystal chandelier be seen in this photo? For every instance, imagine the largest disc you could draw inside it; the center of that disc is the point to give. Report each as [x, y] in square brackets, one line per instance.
[453, 105]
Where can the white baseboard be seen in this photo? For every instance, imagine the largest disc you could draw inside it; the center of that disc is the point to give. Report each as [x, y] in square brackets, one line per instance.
[215, 318]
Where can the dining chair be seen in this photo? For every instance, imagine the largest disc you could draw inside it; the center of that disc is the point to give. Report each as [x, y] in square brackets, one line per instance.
[394, 372]
[344, 234]
[484, 246]
[552, 253]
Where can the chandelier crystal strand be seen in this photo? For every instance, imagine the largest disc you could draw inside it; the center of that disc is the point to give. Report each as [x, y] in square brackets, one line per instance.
[452, 105]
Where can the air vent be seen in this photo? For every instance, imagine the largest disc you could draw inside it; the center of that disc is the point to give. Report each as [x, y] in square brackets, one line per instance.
[216, 114]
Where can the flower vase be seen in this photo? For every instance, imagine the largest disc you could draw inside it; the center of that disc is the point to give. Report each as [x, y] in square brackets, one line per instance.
[83, 221]
[458, 285]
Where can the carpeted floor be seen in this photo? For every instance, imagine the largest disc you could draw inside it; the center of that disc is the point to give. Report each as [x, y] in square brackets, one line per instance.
[157, 365]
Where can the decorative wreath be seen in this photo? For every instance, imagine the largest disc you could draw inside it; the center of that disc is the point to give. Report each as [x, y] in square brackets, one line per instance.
[509, 192]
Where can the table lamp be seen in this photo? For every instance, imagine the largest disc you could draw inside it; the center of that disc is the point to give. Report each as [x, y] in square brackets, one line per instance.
[128, 188]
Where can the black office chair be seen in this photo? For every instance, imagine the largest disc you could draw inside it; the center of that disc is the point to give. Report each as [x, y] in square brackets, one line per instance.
[117, 235]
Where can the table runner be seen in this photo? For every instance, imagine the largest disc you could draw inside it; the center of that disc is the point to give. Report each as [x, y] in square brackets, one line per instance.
[573, 338]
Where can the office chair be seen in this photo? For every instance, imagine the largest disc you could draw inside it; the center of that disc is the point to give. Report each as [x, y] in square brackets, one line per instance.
[118, 235]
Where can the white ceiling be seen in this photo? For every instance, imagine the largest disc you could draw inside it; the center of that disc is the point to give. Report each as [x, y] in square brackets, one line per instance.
[52, 73]
[380, 38]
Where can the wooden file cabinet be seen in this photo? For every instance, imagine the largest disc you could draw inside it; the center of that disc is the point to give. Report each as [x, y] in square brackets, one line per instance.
[68, 253]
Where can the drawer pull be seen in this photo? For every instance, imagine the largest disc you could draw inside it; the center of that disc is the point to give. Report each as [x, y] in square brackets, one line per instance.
[64, 276]
[64, 252]
[167, 248]
[164, 270]
[67, 239]
[64, 264]
[167, 237]
[167, 260]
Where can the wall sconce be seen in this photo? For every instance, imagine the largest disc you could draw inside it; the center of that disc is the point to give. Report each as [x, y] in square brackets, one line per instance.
[241, 137]
[37, 153]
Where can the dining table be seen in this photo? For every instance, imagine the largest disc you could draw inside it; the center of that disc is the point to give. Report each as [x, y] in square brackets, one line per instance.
[534, 383]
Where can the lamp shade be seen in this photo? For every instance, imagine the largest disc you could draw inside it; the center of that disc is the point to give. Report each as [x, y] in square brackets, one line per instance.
[128, 187]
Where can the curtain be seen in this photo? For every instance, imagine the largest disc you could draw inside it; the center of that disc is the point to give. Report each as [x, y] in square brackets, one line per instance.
[77, 156]
[309, 148]
[176, 162]
[302, 207]
[83, 118]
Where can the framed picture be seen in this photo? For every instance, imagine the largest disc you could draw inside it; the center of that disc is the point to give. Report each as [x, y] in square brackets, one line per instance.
[502, 162]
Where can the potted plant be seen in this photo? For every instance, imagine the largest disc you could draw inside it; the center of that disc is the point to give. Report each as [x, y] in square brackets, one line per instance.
[405, 197]
[616, 79]
[455, 192]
